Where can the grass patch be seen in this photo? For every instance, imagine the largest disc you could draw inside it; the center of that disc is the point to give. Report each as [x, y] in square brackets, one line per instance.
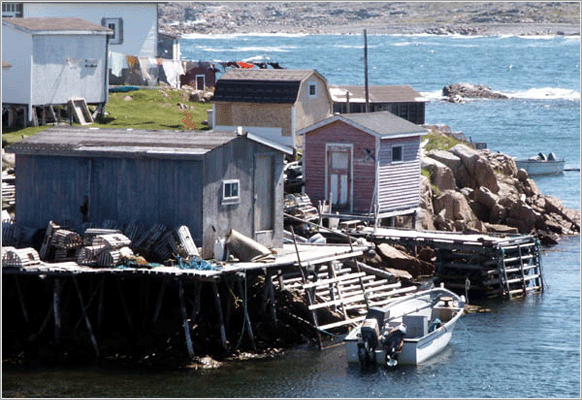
[147, 109]
[440, 141]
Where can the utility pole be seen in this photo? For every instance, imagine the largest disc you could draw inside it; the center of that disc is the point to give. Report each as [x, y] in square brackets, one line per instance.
[366, 70]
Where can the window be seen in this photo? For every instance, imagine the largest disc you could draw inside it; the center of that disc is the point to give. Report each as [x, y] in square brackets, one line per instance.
[230, 191]
[12, 10]
[116, 25]
[396, 154]
[312, 89]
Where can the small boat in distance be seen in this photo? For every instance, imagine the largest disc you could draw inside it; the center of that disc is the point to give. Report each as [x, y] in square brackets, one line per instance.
[409, 330]
[541, 165]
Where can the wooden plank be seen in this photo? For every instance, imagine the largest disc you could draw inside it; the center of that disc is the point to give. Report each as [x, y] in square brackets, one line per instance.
[354, 320]
[325, 282]
[185, 320]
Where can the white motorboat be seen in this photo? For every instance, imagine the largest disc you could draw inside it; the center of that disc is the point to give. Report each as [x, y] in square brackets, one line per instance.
[541, 165]
[407, 331]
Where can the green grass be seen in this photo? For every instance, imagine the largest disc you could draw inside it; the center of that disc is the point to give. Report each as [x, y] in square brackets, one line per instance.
[147, 109]
[440, 141]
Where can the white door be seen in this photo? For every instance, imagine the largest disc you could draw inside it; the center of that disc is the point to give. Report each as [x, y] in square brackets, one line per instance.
[339, 176]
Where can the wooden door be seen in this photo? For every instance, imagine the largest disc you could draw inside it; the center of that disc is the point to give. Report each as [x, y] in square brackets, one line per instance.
[339, 176]
[264, 209]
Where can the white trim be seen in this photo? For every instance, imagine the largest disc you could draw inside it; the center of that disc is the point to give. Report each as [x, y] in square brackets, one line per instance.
[230, 199]
[351, 167]
[376, 195]
[269, 143]
[392, 147]
[311, 84]
[293, 133]
[203, 82]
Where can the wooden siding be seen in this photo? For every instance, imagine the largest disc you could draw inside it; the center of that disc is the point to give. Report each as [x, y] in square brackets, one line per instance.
[399, 183]
[235, 161]
[309, 110]
[253, 114]
[363, 165]
[149, 190]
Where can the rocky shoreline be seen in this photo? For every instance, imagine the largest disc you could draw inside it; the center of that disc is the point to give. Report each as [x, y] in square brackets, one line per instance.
[407, 18]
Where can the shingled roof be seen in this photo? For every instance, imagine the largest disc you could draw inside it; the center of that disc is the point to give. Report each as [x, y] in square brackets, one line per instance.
[260, 85]
[382, 124]
[376, 94]
[54, 25]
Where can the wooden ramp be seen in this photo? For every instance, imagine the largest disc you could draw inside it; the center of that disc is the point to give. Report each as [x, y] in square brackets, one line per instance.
[81, 113]
[349, 291]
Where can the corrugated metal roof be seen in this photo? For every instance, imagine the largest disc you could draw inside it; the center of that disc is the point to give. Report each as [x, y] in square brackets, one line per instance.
[78, 141]
[377, 94]
[55, 24]
[260, 85]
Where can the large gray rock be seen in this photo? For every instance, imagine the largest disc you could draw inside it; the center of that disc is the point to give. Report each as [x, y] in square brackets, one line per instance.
[454, 205]
[426, 194]
[478, 169]
[442, 176]
[484, 196]
[471, 91]
[424, 220]
[522, 216]
[447, 158]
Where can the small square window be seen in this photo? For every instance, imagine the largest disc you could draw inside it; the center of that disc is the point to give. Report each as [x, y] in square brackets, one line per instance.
[397, 154]
[231, 191]
[116, 25]
[312, 89]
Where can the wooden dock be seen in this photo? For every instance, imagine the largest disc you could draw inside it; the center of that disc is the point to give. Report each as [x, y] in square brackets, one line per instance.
[130, 299]
[484, 265]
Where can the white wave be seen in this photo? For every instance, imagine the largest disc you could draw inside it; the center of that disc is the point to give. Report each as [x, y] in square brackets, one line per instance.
[548, 93]
[279, 49]
[238, 35]
[256, 58]
[433, 96]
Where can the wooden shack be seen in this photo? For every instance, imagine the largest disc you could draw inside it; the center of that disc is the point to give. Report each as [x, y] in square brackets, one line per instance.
[365, 165]
[205, 180]
[401, 100]
[274, 103]
[54, 60]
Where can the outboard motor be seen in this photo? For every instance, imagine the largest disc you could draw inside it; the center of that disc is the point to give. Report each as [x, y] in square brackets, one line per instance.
[370, 337]
[393, 342]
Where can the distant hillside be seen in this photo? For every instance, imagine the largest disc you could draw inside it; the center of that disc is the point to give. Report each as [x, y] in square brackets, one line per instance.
[379, 17]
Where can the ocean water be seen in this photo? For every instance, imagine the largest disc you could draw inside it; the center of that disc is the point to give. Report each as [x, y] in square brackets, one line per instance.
[525, 348]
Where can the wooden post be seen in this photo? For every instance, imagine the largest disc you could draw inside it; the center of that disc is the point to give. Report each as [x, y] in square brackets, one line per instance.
[159, 302]
[128, 317]
[87, 322]
[218, 305]
[21, 298]
[43, 120]
[101, 307]
[57, 309]
[185, 319]
[246, 315]
[196, 306]
[271, 291]
[11, 115]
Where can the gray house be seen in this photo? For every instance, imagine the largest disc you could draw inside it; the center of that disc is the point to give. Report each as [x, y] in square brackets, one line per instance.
[199, 179]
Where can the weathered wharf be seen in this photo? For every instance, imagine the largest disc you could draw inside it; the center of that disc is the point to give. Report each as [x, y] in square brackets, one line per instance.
[133, 299]
[485, 265]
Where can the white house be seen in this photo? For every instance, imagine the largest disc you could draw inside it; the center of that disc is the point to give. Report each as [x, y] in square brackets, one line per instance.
[135, 25]
[53, 60]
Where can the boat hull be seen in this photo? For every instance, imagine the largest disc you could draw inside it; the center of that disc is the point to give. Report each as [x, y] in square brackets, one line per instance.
[414, 350]
[539, 167]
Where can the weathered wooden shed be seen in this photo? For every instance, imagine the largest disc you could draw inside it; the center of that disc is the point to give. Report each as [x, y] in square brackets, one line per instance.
[366, 165]
[401, 100]
[271, 102]
[200, 179]
[54, 60]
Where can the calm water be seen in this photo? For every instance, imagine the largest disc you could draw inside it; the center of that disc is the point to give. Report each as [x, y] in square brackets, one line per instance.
[523, 348]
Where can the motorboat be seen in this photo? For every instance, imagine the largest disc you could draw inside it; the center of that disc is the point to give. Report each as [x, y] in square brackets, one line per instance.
[409, 330]
[541, 164]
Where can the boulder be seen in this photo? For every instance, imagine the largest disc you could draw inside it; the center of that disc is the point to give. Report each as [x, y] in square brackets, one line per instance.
[471, 91]
[442, 176]
[484, 196]
[447, 158]
[498, 214]
[481, 211]
[426, 194]
[522, 216]
[499, 228]
[522, 175]
[424, 220]
[484, 175]
[478, 169]
[454, 205]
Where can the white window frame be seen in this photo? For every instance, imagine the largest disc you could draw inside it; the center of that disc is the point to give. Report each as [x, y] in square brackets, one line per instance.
[230, 199]
[310, 85]
[395, 161]
[203, 81]
[117, 37]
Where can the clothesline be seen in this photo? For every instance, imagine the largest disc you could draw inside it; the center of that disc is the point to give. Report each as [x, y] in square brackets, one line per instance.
[148, 67]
